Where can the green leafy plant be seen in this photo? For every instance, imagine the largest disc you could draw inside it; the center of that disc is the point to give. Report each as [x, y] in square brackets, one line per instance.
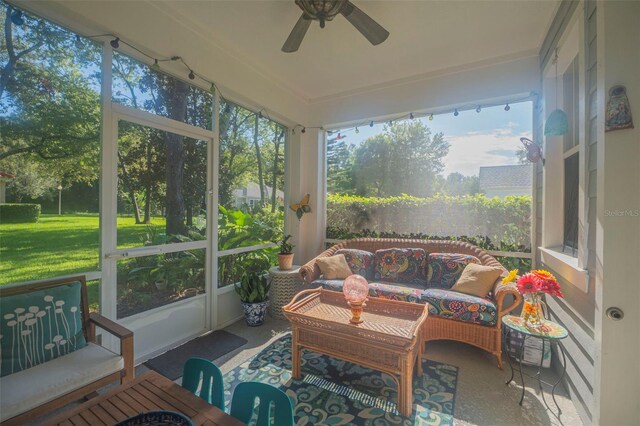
[19, 213]
[285, 246]
[253, 287]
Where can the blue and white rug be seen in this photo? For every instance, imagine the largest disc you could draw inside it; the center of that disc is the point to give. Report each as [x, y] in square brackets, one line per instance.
[336, 392]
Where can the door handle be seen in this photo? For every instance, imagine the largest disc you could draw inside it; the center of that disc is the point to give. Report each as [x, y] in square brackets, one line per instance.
[614, 313]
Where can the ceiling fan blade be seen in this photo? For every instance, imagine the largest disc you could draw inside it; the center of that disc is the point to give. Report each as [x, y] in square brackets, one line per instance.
[369, 28]
[297, 34]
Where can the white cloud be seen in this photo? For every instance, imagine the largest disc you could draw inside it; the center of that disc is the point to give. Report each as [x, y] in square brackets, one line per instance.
[471, 151]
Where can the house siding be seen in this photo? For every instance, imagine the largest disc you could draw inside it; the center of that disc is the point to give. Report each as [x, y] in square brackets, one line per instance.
[577, 310]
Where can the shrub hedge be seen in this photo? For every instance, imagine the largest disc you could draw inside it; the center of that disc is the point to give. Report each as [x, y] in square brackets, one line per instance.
[506, 221]
[19, 213]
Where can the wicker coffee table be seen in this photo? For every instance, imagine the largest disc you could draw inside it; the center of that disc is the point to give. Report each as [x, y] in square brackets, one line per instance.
[389, 339]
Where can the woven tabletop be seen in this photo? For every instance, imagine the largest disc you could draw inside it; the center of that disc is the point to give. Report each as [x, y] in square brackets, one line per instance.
[384, 320]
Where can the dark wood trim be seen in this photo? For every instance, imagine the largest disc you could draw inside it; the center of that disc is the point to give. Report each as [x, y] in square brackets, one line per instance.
[559, 24]
[110, 326]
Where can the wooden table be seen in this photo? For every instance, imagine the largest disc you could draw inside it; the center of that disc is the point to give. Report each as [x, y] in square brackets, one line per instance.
[389, 339]
[148, 392]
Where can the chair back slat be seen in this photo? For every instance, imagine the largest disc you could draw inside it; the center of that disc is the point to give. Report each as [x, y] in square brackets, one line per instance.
[204, 379]
[272, 403]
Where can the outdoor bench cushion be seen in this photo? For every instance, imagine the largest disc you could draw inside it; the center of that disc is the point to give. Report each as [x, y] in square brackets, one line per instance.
[404, 292]
[38, 385]
[444, 269]
[360, 261]
[401, 265]
[459, 306]
[443, 303]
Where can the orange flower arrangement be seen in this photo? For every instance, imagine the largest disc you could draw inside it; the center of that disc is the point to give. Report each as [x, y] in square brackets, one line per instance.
[539, 281]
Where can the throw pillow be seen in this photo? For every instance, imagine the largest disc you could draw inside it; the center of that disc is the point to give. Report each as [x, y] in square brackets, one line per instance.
[360, 261]
[334, 267]
[444, 269]
[477, 280]
[39, 326]
[406, 265]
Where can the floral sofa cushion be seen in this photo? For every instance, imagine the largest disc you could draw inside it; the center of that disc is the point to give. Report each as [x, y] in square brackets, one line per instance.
[402, 292]
[407, 266]
[458, 306]
[360, 261]
[445, 268]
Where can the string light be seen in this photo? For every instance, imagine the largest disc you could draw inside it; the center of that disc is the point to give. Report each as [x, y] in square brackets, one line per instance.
[17, 18]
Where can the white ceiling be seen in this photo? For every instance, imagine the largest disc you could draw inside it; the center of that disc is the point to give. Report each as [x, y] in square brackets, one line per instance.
[426, 36]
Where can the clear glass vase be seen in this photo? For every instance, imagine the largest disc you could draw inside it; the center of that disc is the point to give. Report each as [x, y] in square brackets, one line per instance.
[532, 310]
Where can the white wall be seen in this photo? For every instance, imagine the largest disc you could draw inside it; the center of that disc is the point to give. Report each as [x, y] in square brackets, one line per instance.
[617, 387]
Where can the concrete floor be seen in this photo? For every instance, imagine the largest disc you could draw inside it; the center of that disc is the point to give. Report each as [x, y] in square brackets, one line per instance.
[482, 398]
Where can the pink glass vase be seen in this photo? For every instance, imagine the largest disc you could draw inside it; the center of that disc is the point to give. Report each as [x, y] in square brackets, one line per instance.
[356, 291]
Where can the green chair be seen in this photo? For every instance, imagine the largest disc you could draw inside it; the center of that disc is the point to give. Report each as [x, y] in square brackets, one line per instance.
[212, 390]
[243, 403]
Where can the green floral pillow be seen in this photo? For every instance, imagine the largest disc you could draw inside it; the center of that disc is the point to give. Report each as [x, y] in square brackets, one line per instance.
[39, 326]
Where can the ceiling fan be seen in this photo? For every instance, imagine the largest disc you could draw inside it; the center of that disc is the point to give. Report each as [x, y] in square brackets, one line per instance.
[326, 10]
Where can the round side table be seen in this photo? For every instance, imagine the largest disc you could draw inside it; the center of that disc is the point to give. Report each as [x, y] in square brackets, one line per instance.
[284, 285]
[551, 332]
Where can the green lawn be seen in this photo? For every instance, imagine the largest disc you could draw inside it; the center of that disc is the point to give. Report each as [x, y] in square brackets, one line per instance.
[60, 245]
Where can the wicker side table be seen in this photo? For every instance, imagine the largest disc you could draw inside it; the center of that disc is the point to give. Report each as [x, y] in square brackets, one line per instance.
[284, 285]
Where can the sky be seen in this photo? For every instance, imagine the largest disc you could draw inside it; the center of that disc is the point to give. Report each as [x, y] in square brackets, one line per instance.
[488, 138]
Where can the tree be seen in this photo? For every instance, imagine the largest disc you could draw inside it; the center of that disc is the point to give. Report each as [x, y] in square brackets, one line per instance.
[339, 165]
[404, 159]
[49, 105]
[459, 184]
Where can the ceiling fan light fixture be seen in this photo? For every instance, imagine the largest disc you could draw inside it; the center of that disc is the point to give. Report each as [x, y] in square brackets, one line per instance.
[321, 10]
[326, 10]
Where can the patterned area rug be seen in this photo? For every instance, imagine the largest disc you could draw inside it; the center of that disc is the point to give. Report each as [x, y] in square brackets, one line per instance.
[336, 392]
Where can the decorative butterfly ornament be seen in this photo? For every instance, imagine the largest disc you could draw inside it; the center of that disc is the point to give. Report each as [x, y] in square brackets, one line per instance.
[302, 207]
[534, 153]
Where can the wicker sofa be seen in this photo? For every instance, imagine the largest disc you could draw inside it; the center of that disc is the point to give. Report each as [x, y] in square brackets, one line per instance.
[452, 316]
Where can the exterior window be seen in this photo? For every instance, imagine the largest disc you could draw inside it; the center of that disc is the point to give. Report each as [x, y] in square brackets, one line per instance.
[571, 160]
[571, 188]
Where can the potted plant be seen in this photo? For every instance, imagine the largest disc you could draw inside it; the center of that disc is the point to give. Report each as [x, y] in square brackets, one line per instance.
[253, 290]
[285, 257]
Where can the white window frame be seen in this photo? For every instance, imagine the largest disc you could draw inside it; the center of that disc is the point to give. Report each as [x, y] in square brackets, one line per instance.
[572, 268]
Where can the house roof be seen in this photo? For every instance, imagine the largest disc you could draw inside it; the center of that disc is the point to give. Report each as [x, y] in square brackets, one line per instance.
[494, 177]
[6, 175]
